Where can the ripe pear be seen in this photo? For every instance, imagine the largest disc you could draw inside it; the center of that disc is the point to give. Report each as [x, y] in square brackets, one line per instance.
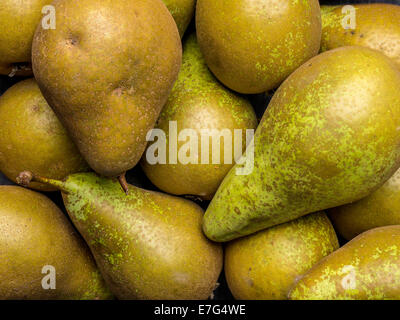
[263, 266]
[31, 136]
[329, 136]
[35, 237]
[18, 21]
[199, 102]
[182, 11]
[108, 114]
[148, 245]
[366, 268]
[379, 209]
[253, 45]
[376, 25]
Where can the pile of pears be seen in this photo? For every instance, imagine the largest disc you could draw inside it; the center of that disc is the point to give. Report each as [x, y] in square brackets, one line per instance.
[309, 208]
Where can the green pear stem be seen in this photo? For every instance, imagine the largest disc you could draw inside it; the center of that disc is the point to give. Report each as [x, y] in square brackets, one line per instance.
[26, 177]
[123, 183]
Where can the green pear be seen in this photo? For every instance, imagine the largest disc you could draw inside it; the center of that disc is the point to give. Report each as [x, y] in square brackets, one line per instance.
[31, 136]
[263, 266]
[199, 102]
[107, 70]
[182, 11]
[379, 209]
[38, 243]
[253, 45]
[330, 136]
[148, 245]
[366, 268]
[376, 26]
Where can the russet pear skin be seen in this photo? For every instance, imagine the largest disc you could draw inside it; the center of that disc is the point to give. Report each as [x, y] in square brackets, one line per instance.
[107, 70]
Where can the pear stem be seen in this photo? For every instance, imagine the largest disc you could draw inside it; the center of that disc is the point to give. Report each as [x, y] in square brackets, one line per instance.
[123, 183]
[26, 177]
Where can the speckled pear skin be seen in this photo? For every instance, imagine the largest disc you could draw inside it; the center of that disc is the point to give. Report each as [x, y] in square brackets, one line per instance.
[377, 27]
[147, 245]
[264, 266]
[108, 114]
[379, 209]
[252, 46]
[182, 11]
[18, 21]
[366, 268]
[330, 136]
[31, 136]
[198, 101]
[35, 233]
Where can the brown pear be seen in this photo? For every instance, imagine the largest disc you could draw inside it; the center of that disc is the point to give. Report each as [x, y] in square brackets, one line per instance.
[107, 70]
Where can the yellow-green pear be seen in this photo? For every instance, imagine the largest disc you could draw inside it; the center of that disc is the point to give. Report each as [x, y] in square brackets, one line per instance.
[366, 268]
[263, 266]
[148, 245]
[379, 209]
[253, 45]
[330, 136]
[42, 257]
[199, 103]
[373, 25]
[18, 21]
[182, 11]
[31, 136]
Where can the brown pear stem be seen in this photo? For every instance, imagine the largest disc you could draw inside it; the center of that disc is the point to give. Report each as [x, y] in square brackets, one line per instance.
[26, 177]
[123, 183]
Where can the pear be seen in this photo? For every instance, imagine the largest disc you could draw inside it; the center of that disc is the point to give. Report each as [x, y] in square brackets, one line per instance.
[182, 11]
[330, 136]
[147, 245]
[199, 102]
[31, 136]
[18, 21]
[376, 25]
[263, 266]
[108, 114]
[253, 45]
[379, 209]
[366, 268]
[37, 242]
